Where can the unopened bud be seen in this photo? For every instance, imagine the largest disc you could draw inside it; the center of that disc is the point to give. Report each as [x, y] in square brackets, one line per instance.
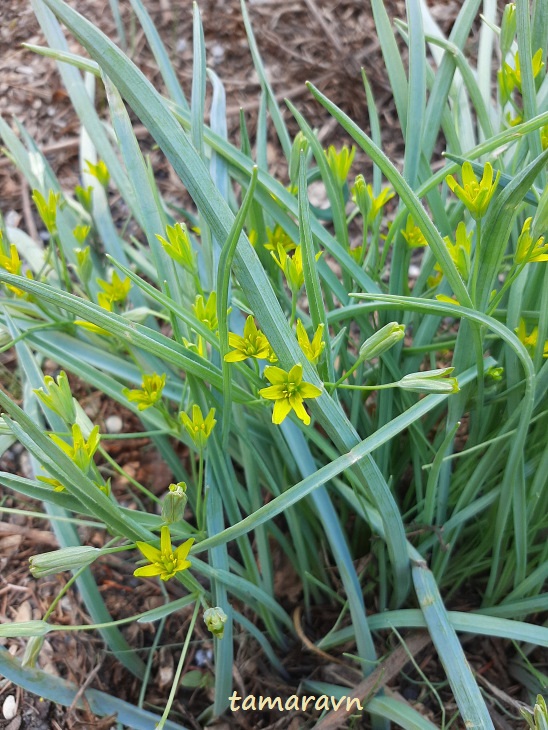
[215, 620]
[69, 558]
[381, 341]
[23, 628]
[507, 29]
[58, 397]
[300, 144]
[361, 196]
[173, 506]
[430, 381]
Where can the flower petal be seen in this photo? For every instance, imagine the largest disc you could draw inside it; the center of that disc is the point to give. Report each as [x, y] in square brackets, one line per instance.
[296, 403]
[165, 541]
[295, 375]
[307, 390]
[147, 571]
[275, 375]
[151, 553]
[183, 550]
[235, 356]
[273, 392]
[282, 408]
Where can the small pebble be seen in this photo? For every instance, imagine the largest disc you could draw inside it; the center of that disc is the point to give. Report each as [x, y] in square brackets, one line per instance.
[217, 51]
[203, 657]
[114, 424]
[9, 708]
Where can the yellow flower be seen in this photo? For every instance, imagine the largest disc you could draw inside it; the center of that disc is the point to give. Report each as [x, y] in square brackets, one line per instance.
[475, 195]
[288, 390]
[413, 234]
[80, 451]
[544, 137]
[206, 312]
[198, 428]
[370, 205]
[292, 266]
[178, 246]
[510, 78]
[80, 233]
[99, 171]
[166, 561]
[253, 344]
[277, 236]
[13, 265]
[116, 290]
[84, 196]
[340, 162]
[459, 250]
[530, 341]
[55, 483]
[528, 251]
[312, 349]
[57, 396]
[47, 209]
[150, 392]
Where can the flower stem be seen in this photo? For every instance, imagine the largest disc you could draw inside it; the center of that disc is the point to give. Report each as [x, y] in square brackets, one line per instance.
[175, 685]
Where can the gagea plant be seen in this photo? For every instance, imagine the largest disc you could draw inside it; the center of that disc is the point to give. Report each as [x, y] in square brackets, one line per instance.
[360, 396]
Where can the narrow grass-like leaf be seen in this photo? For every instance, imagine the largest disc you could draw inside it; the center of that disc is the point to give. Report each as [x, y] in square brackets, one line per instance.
[467, 694]
[160, 54]
[392, 59]
[311, 279]
[416, 94]
[271, 102]
[58, 690]
[223, 285]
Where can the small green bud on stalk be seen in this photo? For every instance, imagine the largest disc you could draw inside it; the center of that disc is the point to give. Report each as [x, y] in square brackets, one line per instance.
[430, 381]
[173, 506]
[381, 341]
[70, 558]
[215, 620]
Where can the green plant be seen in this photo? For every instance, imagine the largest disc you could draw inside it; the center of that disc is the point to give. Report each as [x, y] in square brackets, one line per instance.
[184, 317]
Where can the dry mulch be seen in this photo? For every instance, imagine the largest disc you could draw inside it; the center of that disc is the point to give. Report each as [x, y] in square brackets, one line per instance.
[301, 40]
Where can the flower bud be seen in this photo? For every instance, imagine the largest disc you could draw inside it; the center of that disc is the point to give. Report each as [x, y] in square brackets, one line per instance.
[381, 341]
[360, 196]
[84, 265]
[430, 381]
[494, 373]
[507, 29]
[23, 628]
[58, 397]
[32, 650]
[300, 144]
[173, 506]
[69, 558]
[215, 620]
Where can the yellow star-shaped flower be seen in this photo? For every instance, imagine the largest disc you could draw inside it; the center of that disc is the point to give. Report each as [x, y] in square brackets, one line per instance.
[166, 561]
[288, 390]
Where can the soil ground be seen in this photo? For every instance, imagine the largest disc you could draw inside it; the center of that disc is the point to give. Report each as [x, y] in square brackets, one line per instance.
[326, 43]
